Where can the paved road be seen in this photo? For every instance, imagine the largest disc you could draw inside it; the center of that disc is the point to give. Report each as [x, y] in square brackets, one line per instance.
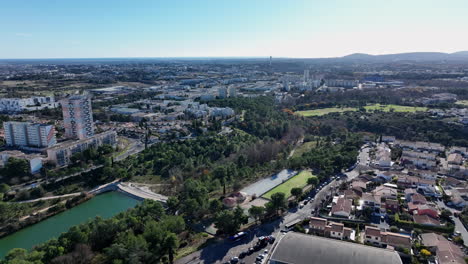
[224, 250]
[458, 224]
[50, 197]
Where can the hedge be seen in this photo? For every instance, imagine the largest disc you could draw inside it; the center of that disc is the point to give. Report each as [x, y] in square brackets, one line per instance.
[409, 224]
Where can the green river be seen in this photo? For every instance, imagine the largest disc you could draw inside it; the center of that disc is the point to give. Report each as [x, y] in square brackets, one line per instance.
[105, 205]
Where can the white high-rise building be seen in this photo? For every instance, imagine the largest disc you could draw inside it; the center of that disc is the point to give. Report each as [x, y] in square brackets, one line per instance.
[78, 117]
[25, 134]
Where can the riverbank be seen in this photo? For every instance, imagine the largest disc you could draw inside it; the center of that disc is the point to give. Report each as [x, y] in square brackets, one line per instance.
[104, 205]
[43, 214]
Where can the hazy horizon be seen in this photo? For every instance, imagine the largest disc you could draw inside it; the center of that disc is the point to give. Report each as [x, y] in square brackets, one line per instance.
[240, 29]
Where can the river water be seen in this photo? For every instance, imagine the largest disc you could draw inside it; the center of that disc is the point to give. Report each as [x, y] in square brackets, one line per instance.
[105, 205]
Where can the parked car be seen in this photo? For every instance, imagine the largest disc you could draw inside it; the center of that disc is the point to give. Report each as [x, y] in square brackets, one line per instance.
[234, 260]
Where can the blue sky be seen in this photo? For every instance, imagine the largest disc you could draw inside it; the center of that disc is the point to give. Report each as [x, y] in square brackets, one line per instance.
[229, 28]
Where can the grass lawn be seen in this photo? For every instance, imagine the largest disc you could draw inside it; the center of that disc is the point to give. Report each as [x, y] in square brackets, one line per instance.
[325, 111]
[372, 107]
[396, 108]
[462, 102]
[300, 180]
[307, 146]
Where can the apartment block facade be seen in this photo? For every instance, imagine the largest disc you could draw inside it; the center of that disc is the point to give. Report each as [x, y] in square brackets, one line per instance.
[77, 117]
[25, 134]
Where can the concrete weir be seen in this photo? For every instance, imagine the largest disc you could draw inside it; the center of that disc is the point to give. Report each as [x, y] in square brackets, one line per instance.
[130, 189]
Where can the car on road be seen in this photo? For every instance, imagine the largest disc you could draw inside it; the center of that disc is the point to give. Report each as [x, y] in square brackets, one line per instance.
[234, 260]
[238, 236]
[301, 205]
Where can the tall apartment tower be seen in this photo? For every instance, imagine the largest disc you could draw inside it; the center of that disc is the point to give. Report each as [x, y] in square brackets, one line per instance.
[306, 75]
[25, 134]
[77, 117]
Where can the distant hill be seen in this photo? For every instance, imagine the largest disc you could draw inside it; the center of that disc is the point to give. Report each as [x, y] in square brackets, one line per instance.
[410, 56]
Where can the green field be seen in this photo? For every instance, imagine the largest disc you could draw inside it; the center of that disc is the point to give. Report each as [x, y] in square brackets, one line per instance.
[372, 107]
[325, 111]
[462, 102]
[396, 108]
[300, 180]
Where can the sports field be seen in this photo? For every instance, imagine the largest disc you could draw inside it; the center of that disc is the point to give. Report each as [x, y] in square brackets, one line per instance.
[372, 107]
[300, 180]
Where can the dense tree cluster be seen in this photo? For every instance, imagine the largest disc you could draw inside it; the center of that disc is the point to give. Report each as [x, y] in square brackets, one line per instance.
[407, 126]
[145, 234]
[261, 117]
[329, 157]
[15, 171]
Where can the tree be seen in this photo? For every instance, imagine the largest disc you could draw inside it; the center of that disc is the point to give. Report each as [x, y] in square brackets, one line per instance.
[4, 188]
[256, 212]
[278, 201]
[215, 206]
[169, 245]
[296, 192]
[221, 174]
[230, 221]
[172, 204]
[313, 180]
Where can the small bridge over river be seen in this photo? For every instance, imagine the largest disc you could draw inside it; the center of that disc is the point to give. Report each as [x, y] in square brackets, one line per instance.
[132, 189]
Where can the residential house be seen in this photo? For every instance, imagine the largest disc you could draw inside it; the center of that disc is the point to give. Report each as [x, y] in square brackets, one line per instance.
[452, 182]
[342, 208]
[425, 220]
[317, 225]
[455, 159]
[385, 192]
[338, 231]
[386, 175]
[371, 200]
[445, 251]
[417, 199]
[392, 205]
[383, 156]
[425, 209]
[321, 226]
[460, 150]
[408, 193]
[352, 194]
[375, 236]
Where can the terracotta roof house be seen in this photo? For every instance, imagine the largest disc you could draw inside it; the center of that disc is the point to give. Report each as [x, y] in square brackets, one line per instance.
[375, 236]
[352, 194]
[317, 225]
[425, 209]
[338, 230]
[371, 200]
[446, 252]
[425, 220]
[418, 199]
[385, 192]
[342, 208]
